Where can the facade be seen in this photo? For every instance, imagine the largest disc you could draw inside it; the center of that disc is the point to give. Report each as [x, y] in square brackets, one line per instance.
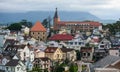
[87, 54]
[38, 32]
[104, 44]
[54, 53]
[69, 54]
[114, 52]
[74, 25]
[42, 63]
[39, 53]
[15, 66]
[76, 43]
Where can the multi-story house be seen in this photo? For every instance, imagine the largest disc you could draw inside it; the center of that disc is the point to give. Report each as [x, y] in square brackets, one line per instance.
[15, 66]
[69, 54]
[24, 53]
[104, 44]
[87, 54]
[38, 32]
[42, 63]
[76, 43]
[54, 53]
[39, 53]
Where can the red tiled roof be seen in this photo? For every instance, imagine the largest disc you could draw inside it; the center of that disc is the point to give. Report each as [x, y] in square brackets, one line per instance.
[78, 22]
[61, 37]
[38, 27]
[50, 49]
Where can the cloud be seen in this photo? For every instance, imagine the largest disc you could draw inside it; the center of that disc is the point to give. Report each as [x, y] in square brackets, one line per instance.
[100, 8]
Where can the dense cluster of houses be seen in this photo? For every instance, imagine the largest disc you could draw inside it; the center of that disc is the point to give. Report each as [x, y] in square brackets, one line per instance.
[32, 48]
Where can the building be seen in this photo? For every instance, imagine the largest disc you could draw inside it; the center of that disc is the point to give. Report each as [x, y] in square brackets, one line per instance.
[54, 53]
[87, 54]
[114, 52]
[76, 43]
[104, 44]
[15, 66]
[38, 32]
[43, 63]
[75, 25]
[69, 54]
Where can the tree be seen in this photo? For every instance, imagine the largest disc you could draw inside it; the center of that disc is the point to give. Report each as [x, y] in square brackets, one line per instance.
[15, 27]
[36, 69]
[73, 68]
[45, 23]
[26, 23]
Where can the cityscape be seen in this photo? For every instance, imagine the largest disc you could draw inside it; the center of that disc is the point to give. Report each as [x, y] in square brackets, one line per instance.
[66, 39]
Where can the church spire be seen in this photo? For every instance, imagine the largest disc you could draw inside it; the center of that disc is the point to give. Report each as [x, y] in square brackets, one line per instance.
[56, 14]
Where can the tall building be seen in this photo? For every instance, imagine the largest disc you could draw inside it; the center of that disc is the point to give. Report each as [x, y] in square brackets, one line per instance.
[75, 25]
[38, 31]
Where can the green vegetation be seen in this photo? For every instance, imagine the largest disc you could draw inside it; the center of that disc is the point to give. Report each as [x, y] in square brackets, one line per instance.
[113, 28]
[73, 68]
[18, 26]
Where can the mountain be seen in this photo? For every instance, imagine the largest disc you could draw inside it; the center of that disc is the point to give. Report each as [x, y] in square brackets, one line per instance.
[41, 15]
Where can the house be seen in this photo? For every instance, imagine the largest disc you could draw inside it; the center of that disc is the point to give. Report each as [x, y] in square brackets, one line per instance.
[42, 63]
[104, 44]
[87, 54]
[76, 43]
[24, 53]
[69, 54]
[100, 53]
[103, 64]
[4, 60]
[26, 31]
[54, 53]
[114, 52]
[39, 53]
[15, 66]
[74, 25]
[38, 32]
[10, 42]
[115, 42]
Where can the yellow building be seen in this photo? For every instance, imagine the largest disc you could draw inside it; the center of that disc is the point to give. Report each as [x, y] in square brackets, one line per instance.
[54, 53]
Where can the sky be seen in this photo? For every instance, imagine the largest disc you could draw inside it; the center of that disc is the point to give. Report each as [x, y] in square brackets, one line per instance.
[104, 9]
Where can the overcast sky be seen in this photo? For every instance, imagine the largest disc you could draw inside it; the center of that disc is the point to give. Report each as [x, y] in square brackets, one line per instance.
[105, 9]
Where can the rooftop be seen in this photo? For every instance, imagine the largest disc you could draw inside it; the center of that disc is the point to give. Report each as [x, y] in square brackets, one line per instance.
[38, 27]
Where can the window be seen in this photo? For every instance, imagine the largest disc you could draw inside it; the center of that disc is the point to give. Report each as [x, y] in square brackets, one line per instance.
[88, 54]
[79, 43]
[18, 68]
[33, 33]
[71, 43]
[6, 68]
[43, 33]
[84, 54]
[75, 43]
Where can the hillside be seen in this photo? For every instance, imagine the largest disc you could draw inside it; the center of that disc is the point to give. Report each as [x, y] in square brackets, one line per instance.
[40, 15]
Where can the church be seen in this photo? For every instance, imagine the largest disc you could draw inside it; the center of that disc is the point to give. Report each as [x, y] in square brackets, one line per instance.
[81, 26]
